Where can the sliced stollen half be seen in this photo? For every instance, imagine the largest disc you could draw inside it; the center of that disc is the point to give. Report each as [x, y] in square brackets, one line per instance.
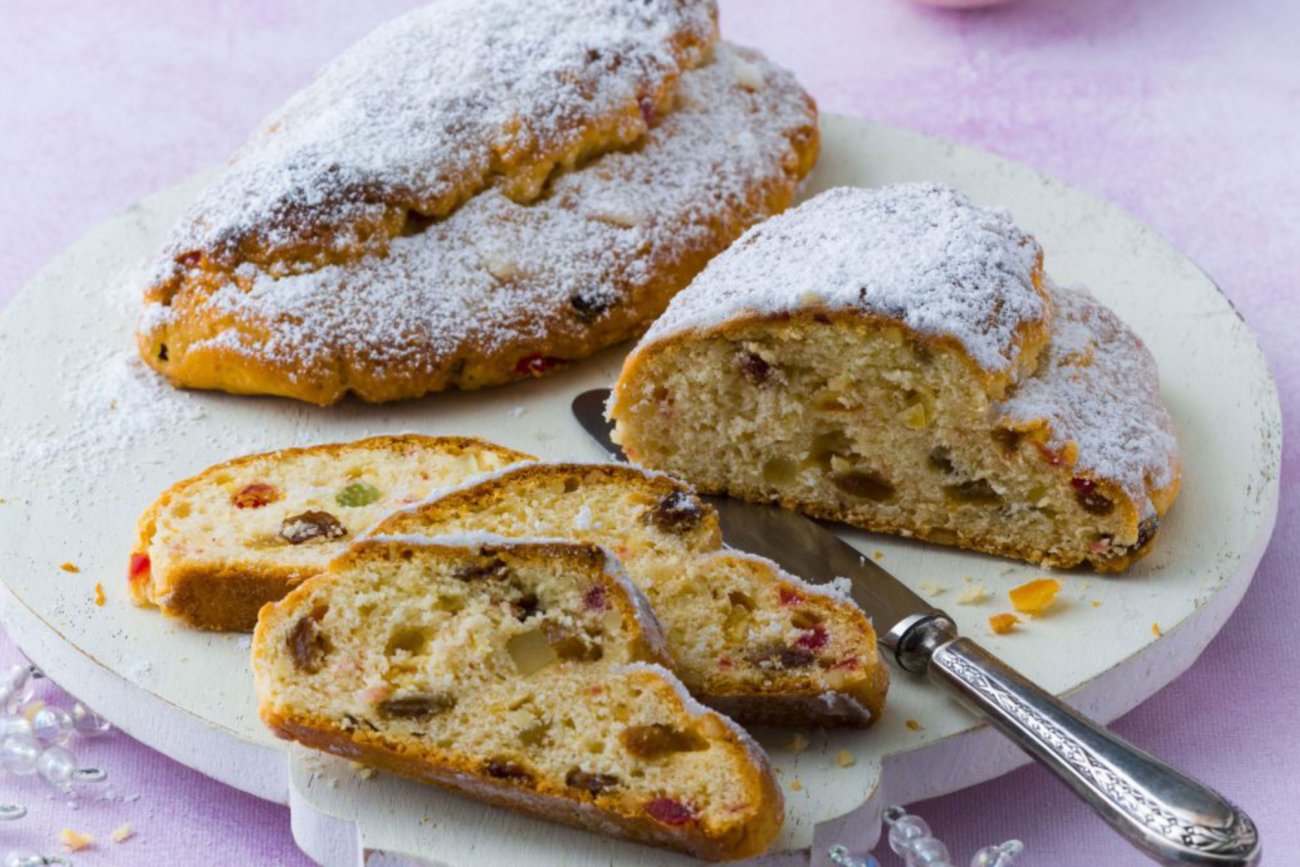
[498, 290]
[525, 673]
[746, 638]
[890, 358]
[214, 548]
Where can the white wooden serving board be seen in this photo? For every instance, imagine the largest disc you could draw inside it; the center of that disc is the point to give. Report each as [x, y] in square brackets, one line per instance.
[90, 438]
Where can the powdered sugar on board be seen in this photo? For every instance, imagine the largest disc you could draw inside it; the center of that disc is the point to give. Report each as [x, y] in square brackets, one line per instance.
[435, 102]
[496, 275]
[1097, 385]
[919, 253]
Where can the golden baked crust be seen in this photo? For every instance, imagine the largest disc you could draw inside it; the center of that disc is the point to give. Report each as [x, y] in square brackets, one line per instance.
[484, 721]
[199, 557]
[496, 290]
[916, 405]
[745, 637]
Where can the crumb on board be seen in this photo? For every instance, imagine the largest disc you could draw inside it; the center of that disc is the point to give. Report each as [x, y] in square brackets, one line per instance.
[845, 759]
[1036, 596]
[877, 554]
[1155, 630]
[795, 785]
[69, 566]
[931, 588]
[1001, 624]
[122, 833]
[363, 772]
[74, 841]
[1096, 603]
[99, 594]
[973, 595]
[798, 743]
[914, 725]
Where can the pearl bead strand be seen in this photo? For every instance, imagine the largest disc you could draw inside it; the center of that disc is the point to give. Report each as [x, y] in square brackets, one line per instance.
[910, 837]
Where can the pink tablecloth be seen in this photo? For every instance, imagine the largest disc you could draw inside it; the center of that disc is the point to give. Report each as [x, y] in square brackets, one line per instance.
[1183, 111]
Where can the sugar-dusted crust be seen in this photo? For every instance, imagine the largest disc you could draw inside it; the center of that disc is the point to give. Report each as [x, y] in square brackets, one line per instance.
[497, 290]
[919, 255]
[428, 110]
[830, 673]
[715, 834]
[225, 589]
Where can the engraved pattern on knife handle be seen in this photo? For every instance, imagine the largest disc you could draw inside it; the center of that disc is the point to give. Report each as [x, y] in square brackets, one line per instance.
[1228, 838]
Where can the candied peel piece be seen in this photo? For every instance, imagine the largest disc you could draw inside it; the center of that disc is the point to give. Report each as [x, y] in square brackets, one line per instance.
[1001, 624]
[1035, 597]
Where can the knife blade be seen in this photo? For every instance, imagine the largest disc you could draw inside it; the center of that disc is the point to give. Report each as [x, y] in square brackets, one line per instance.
[1168, 816]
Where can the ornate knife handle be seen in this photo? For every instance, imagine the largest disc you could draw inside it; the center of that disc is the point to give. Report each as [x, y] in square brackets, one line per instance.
[1168, 816]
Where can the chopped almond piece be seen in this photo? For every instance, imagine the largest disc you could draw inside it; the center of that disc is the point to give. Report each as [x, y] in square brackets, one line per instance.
[1035, 597]
[1001, 624]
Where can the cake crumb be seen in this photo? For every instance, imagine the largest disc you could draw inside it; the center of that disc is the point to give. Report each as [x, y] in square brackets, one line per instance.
[1155, 630]
[795, 785]
[931, 588]
[845, 759]
[914, 725]
[363, 772]
[1001, 624]
[122, 833]
[74, 841]
[99, 594]
[1096, 603]
[798, 743]
[878, 554]
[69, 566]
[973, 595]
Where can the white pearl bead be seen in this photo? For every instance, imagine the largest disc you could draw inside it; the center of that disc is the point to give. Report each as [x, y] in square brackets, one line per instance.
[904, 830]
[57, 766]
[12, 724]
[52, 725]
[88, 723]
[23, 858]
[18, 754]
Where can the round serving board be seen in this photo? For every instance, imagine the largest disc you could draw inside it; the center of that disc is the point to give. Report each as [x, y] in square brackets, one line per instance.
[91, 438]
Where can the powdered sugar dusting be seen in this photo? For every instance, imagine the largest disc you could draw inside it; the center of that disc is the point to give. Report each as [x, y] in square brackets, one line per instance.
[496, 276]
[1098, 387]
[919, 253]
[432, 102]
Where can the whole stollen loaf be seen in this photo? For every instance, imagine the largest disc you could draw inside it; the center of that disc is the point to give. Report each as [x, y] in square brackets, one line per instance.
[897, 359]
[477, 192]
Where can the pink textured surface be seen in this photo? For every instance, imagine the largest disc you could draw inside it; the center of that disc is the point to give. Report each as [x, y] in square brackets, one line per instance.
[1182, 111]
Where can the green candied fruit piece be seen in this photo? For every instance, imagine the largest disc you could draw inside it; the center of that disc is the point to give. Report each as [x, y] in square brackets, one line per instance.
[357, 494]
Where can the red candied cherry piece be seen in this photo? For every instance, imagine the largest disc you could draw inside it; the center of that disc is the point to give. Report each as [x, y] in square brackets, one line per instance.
[594, 599]
[536, 365]
[670, 811]
[138, 568]
[255, 496]
[789, 596]
[813, 639]
[647, 110]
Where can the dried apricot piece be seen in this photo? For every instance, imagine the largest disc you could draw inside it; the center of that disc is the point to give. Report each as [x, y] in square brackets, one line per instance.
[1035, 597]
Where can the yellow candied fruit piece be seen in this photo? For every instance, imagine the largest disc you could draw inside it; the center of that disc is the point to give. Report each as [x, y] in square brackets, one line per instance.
[1035, 597]
[1001, 624]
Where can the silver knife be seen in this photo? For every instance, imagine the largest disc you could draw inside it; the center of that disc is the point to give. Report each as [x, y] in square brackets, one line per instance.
[1168, 816]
